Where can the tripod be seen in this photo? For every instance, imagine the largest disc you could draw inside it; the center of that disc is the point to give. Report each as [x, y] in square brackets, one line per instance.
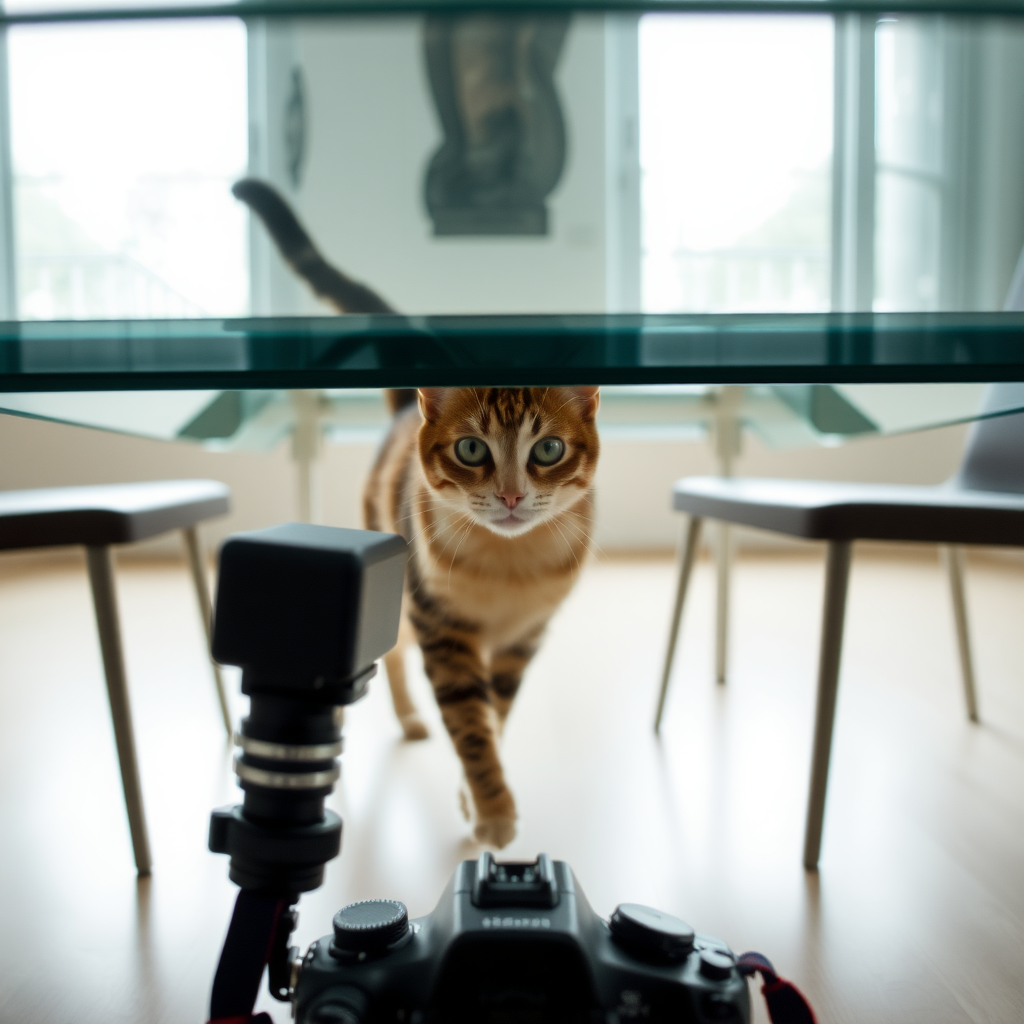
[304, 611]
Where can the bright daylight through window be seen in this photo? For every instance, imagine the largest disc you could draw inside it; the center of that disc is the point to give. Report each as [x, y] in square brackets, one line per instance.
[126, 139]
[735, 153]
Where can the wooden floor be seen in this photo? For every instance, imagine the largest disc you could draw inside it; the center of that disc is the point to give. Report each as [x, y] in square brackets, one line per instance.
[916, 915]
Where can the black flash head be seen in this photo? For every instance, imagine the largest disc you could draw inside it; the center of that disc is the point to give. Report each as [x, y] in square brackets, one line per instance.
[308, 608]
[305, 612]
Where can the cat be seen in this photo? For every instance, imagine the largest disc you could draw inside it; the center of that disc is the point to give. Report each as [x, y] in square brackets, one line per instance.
[493, 489]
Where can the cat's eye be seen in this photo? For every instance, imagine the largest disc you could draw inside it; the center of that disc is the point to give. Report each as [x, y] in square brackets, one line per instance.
[548, 450]
[472, 451]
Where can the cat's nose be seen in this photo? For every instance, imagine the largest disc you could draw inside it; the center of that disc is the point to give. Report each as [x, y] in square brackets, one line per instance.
[511, 498]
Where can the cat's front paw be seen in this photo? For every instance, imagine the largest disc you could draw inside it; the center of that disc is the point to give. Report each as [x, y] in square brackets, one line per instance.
[413, 726]
[494, 821]
[496, 832]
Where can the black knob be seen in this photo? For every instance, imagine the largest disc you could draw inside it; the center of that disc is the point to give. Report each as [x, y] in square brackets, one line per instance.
[715, 966]
[650, 931]
[340, 1005]
[370, 926]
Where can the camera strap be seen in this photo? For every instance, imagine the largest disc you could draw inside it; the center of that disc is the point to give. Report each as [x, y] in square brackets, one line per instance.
[786, 1003]
[246, 953]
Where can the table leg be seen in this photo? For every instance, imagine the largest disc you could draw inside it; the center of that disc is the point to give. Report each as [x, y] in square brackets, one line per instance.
[723, 561]
[307, 448]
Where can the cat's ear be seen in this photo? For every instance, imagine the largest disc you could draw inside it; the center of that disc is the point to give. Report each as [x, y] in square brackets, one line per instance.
[589, 399]
[430, 402]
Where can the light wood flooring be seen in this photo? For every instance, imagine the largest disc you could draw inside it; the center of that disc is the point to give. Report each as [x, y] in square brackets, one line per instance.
[916, 915]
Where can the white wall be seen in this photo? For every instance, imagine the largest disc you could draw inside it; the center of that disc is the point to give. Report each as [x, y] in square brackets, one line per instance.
[372, 131]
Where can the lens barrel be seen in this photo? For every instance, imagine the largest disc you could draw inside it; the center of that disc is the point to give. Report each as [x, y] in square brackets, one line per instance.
[281, 836]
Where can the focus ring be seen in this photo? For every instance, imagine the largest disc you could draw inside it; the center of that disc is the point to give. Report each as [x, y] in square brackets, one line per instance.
[288, 752]
[286, 780]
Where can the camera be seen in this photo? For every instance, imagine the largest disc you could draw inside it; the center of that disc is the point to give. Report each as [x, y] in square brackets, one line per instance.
[305, 612]
[516, 943]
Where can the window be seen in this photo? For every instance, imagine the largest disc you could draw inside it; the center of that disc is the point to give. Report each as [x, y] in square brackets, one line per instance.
[735, 152]
[125, 141]
[808, 163]
[909, 164]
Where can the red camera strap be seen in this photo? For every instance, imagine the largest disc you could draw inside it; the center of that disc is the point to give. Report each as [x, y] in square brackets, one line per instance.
[250, 938]
[786, 1003]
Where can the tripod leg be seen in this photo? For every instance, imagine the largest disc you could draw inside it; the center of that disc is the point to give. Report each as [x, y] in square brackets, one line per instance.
[101, 577]
[687, 556]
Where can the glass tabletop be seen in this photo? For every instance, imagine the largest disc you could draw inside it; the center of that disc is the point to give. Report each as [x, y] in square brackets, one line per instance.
[21, 11]
[392, 351]
[541, 171]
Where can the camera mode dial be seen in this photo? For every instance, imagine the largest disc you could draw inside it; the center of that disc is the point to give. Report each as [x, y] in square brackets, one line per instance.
[651, 932]
[370, 926]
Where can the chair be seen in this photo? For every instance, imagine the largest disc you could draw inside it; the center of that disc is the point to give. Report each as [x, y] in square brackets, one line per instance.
[97, 518]
[982, 504]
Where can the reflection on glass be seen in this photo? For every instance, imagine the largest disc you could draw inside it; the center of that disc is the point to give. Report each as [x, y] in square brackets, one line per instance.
[734, 163]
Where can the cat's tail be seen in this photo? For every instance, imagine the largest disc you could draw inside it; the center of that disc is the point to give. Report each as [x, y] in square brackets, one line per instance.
[302, 255]
[299, 251]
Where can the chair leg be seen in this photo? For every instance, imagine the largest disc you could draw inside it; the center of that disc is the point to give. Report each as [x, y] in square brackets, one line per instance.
[101, 577]
[198, 567]
[687, 555]
[837, 575]
[954, 559]
[723, 558]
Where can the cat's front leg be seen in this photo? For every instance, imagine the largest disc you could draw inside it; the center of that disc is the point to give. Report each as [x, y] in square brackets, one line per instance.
[507, 667]
[456, 672]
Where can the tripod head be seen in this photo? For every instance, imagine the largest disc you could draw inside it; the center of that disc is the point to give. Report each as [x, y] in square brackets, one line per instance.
[305, 612]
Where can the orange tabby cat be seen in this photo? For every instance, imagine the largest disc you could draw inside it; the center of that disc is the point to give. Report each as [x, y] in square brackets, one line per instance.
[493, 489]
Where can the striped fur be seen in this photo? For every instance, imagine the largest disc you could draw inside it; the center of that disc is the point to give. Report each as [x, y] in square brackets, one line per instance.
[495, 548]
[480, 590]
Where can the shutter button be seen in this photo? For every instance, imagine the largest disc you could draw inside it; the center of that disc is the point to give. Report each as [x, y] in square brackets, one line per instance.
[715, 966]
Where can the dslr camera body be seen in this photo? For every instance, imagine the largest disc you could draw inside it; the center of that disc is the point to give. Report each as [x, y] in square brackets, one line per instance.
[305, 612]
[516, 943]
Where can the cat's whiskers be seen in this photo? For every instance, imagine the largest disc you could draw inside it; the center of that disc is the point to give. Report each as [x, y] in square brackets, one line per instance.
[552, 525]
[438, 525]
[421, 506]
[451, 564]
[581, 535]
[454, 529]
[483, 411]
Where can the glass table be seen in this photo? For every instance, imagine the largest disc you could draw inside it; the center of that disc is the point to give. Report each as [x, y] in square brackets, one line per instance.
[548, 193]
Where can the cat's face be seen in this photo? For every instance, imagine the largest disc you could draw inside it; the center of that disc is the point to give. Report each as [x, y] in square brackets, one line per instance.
[509, 458]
